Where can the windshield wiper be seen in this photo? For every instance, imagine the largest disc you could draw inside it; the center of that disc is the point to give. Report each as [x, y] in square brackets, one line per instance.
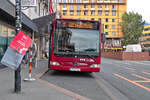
[82, 53]
[90, 49]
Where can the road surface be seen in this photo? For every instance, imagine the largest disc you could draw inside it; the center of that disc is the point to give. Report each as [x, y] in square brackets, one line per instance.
[118, 80]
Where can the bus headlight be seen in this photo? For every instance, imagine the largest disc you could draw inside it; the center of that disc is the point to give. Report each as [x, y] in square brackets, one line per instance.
[95, 66]
[54, 63]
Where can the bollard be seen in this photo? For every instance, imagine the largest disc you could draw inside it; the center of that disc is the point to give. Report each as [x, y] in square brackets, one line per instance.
[30, 68]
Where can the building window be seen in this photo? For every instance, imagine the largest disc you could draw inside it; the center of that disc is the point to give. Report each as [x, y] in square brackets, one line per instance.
[120, 1]
[106, 19]
[113, 7]
[92, 6]
[116, 42]
[64, 6]
[100, 13]
[106, 33]
[113, 33]
[85, 6]
[78, 13]
[43, 11]
[113, 20]
[92, 19]
[71, 7]
[64, 1]
[106, 13]
[59, 1]
[92, 13]
[113, 26]
[78, 1]
[71, 1]
[106, 6]
[78, 7]
[6, 36]
[106, 26]
[100, 6]
[39, 9]
[113, 13]
[64, 13]
[92, 1]
[71, 13]
[99, 19]
[36, 9]
[99, 0]
[85, 13]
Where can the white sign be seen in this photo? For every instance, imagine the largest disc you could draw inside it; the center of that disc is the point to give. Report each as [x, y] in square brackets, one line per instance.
[29, 3]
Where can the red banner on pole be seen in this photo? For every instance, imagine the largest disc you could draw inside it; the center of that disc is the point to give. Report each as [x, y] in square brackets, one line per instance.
[21, 43]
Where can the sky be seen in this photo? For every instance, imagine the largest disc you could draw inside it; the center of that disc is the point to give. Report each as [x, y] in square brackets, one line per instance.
[140, 6]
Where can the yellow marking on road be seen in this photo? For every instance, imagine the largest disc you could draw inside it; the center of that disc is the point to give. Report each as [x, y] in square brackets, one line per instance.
[134, 82]
[138, 76]
[130, 68]
[107, 91]
[146, 73]
[142, 81]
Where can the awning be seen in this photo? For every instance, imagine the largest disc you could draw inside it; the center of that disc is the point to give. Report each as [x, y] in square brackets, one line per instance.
[7, 10]
[42, 22]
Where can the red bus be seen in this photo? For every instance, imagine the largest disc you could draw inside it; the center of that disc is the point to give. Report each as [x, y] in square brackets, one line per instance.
[75, 45]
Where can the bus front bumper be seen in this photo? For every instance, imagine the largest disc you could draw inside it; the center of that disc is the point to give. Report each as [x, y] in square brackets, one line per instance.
[77, 69]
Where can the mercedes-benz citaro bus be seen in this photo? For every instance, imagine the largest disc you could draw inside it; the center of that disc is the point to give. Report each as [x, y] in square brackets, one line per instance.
[75, 45]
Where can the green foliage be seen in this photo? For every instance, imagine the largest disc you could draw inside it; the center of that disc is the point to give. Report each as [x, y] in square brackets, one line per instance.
[132, 27]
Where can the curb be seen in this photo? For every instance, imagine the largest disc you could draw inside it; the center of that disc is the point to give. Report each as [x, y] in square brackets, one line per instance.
[60, 89]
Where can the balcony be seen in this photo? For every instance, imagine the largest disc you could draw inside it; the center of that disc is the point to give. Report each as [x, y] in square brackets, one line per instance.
[85, 1]
[92, 8]
[71, 9]
[99, 8]
[85, 8]
[111, 1]
[114, 9]
[64, 8]
[107, 1]
[70, 2]
[106, 8]
[100, 1]
[114, 1]
[78, 9]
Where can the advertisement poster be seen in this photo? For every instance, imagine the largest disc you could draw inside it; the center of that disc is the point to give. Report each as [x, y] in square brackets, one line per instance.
[21, 43]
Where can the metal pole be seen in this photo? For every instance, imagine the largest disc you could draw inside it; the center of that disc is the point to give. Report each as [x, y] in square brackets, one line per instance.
[17, 88]
[30, 65]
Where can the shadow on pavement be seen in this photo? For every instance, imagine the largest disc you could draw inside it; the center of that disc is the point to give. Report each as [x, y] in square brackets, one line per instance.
[70, 74]
[2, 66]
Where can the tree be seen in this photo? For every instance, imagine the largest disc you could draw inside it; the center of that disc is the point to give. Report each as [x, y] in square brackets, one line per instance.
[132, 27]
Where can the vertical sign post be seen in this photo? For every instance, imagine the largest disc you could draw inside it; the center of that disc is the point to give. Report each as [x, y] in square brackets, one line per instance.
[17, 88]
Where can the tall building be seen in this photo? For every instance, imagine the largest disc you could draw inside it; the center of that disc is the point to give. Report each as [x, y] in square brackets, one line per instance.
[109, 12]
[145, 38]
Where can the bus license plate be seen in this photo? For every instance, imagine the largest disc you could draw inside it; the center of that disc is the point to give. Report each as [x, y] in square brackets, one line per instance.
[75, 69]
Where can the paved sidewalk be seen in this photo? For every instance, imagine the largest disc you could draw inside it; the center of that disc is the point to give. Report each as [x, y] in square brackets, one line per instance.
[30, 90]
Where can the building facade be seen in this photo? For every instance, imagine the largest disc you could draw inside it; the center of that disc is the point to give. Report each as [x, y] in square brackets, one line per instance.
[109, 12]
[145, 38]
[42, 9]
[7, 25]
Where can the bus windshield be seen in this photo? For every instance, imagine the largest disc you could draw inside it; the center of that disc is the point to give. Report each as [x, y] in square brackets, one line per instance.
[80, 38]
